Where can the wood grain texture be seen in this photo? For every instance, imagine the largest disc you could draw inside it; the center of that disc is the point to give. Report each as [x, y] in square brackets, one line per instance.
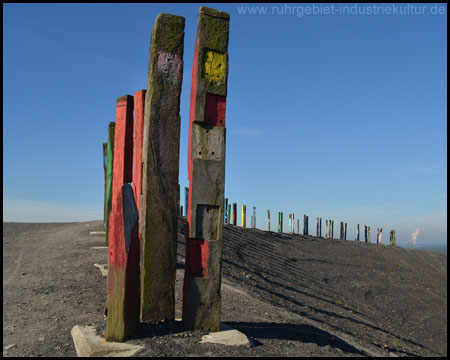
[160, 156]
[206, 173]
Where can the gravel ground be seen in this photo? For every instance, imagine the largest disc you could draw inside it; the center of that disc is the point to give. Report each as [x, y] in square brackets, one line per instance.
[293, 295]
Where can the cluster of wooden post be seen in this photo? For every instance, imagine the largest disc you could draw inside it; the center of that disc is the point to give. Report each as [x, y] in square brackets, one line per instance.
[143, 150]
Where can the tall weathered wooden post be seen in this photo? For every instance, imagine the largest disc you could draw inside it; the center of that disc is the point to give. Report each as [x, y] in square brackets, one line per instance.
[341, 232]
[109, 177]
[229, 213]
[320, 227]
[332, 229]
[268, 220]
[234, 214]
[317, 227]
[206, 169]
[123, 272]
[357, 232]
[160, 157]
[298, 226]
[368, 233]
[244, 216]
[254, 217]
[345, 232]
[365, 233]
[326, 229]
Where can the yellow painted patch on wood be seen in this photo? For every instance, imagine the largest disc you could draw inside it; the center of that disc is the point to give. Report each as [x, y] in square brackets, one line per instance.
[214, 66]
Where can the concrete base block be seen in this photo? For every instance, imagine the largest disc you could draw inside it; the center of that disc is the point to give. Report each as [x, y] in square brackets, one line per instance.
[89, 344]
[103, 268]
[102, 232]
[227, 336]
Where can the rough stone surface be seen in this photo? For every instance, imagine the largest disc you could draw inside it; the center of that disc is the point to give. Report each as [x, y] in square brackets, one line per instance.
[227, 336]
[89, 344]
[160, 156]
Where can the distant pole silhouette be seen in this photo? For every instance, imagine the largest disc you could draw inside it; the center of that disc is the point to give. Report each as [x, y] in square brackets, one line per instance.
[357, 232]
[268, 219]
[254, 217]
[320, 227]
[226, 212]
[345, 232]
[280, 222]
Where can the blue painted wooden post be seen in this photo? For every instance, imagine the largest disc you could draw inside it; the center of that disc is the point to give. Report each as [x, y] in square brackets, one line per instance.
[186, 199]
[226, 211]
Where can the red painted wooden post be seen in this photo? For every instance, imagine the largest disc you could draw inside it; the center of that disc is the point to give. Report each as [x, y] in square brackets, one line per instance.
[206, 172]
[138, 135]
[123, 273]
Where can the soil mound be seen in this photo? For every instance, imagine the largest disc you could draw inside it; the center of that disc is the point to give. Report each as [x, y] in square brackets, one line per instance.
[294, 295]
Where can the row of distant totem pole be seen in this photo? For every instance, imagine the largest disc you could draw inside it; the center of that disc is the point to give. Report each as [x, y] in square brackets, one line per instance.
[143, 149]
[231, 218]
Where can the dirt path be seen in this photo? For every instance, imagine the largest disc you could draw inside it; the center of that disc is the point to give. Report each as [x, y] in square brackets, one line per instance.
[294, 296]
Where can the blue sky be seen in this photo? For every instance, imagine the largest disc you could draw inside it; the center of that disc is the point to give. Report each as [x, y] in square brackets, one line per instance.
[340, 116]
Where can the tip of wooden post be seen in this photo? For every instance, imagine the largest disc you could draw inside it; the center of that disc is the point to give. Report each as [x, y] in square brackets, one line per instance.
[125, 98]
[213, 12]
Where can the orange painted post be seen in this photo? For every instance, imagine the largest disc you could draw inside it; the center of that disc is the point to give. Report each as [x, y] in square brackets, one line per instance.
[123, 272]
[206, 169]
[138, 136]
[160, 157]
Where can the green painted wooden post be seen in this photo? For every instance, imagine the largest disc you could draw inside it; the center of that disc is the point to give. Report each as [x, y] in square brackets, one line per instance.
[109, 177]
[160, 157]
[105, 166]
[280, 222]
